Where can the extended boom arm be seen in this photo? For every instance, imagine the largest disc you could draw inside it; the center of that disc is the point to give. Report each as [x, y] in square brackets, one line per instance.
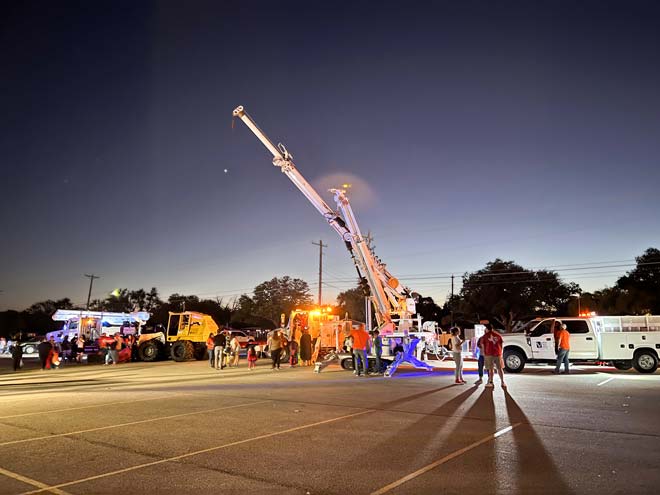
[386, 293]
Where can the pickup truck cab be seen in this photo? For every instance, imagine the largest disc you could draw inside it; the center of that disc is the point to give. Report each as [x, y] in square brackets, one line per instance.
[626, 342]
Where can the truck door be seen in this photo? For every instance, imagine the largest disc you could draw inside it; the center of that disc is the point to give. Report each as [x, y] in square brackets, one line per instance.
[542, 341]
[582, 341]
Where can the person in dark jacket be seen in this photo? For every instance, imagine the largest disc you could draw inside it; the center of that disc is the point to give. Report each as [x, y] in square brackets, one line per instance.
[17, 355]
[44, 348]
[306, 348]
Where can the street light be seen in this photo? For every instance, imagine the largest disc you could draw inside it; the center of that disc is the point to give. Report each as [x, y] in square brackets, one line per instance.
[578, 301]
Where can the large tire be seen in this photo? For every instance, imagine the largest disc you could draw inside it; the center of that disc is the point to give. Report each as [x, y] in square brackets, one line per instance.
[200, 352]
[149, 351]
[514, 360]
[182, 350]
[347, 363]
[645, 361]
[622, 365]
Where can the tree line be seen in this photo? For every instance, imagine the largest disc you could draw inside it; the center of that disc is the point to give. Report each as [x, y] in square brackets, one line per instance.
[502, 292]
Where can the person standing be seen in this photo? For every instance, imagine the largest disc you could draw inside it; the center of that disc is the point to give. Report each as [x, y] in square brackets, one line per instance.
[235, 351]
[493, 354]
[275, 348]
[209, 348]
[219, 342]
[293, 353]
[360, 341]
[306, 348]
[81, 348]
[135, 347]
[17, 355]
[226, 355]
[378, 350]
[66, 350]
[457, 354]
[112, 351]
[480, 359]
[44, 349]
[562, 348]
[74, 348]
[377, 345]
[54, 360]
[251, 357]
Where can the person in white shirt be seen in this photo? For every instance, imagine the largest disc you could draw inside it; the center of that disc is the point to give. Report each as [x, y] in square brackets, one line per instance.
[457, 354]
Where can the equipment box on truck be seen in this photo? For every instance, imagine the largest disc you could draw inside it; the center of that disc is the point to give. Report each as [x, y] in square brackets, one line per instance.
[625, 341]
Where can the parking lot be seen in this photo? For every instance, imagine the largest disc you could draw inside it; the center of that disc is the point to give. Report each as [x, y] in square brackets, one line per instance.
[182, 428]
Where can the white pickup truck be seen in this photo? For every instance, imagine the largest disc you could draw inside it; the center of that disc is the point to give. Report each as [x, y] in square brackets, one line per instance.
[624, 341]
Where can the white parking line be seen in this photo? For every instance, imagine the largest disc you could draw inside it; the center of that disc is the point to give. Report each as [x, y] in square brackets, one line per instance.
[190, 454]
[92, 406]
[445, 459]
[30, 481]
[605, 381]
[150, 420]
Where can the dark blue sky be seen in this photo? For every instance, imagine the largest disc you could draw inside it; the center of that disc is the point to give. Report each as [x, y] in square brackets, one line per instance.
[470, 131]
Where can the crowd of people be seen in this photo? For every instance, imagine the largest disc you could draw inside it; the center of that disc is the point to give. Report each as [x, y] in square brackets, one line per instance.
[52, 353]
[224, 350]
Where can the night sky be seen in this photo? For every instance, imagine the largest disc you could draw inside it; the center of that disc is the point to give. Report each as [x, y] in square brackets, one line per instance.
[527, 131]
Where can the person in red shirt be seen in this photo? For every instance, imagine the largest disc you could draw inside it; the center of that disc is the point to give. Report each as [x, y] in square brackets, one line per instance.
[360, 342]
[492, 344]
[562, 347]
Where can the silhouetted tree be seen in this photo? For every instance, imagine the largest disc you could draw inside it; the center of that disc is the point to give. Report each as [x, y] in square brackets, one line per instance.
[279, 295]
[351, 301]
[505, 292]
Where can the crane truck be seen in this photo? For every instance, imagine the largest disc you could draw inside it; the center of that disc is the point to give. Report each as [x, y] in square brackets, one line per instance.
[393, 303]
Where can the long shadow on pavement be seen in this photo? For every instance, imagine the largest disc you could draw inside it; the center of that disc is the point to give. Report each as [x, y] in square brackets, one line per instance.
[536, 471]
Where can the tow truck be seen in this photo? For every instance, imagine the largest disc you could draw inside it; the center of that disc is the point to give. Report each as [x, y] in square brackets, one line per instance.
[393, 303]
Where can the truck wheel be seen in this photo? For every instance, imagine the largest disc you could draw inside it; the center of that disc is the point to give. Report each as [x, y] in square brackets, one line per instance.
[514, 360]
[200, 352]
[622, 365]
[347, 364]
[645, 361]
[182, 350]
[29, 349]
[149, 351]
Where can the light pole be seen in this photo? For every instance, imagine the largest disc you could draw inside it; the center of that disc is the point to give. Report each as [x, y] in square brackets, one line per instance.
[579, 310]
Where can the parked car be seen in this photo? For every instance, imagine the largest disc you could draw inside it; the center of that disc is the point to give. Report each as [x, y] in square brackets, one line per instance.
[30, 347]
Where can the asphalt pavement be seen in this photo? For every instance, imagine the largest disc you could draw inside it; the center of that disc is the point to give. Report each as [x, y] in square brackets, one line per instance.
[179, 428]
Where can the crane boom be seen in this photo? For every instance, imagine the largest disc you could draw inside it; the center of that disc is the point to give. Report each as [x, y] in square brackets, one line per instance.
[387, 295]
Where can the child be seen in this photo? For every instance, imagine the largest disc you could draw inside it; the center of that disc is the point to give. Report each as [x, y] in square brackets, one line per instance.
[293, 353]
[252, 357]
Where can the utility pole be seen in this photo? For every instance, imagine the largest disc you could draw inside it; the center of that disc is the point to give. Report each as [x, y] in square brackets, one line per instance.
[89, 294]
[451, 303]
[321, 246]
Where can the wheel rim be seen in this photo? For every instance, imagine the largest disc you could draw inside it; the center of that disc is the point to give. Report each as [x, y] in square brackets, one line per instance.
[513, 361]
[179, 351]
[149, 351]
[645, 362]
